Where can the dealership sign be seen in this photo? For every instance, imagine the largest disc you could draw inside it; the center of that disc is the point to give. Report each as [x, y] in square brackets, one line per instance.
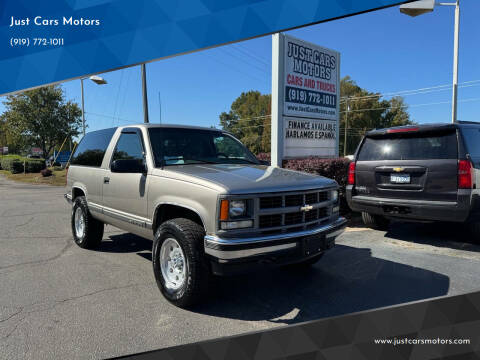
[311, 80]
[305, 99]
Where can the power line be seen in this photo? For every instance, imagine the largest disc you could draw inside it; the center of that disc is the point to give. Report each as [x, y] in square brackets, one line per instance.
[406, 106]
[411, 92]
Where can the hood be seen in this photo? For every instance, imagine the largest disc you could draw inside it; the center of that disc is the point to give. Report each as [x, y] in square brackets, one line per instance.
[244, 179]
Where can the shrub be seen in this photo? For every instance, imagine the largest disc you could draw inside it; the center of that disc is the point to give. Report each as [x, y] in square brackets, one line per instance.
[263, 156]
[15, 164]
[34, 165]
[336, 169]
[46, 172]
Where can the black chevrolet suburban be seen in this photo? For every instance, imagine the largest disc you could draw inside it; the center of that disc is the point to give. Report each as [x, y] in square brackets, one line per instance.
[418, 173]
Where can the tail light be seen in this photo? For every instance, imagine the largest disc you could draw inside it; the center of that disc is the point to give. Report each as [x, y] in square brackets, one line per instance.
[351, 173]
[465, 174]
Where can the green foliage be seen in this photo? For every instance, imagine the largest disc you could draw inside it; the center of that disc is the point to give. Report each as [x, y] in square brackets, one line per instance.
[367, 110]
[40, 117]
[249, 120]
[15, 164]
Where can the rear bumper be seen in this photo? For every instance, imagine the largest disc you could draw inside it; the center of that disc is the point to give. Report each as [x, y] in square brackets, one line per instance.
[243, 254]
[68, 198]
[412, 209]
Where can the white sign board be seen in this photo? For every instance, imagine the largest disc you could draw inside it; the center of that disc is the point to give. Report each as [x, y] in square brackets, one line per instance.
[311, 80]
[304, 137]
[305, 99]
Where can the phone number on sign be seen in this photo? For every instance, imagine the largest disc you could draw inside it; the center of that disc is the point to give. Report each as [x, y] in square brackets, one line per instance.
[17, 42]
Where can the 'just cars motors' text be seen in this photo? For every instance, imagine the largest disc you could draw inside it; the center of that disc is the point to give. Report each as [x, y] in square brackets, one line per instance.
[64, 21]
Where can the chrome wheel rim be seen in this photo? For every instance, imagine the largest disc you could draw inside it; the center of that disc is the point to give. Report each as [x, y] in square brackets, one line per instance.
[172, 264]
[79, 223]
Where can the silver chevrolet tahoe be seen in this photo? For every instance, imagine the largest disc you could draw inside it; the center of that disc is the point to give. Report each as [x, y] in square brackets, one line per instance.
[208, 204]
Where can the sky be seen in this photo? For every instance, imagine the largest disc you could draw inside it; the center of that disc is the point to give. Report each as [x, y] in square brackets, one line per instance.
[383, 51]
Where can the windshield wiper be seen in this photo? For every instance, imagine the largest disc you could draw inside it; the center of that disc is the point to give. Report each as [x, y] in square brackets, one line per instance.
[188, 159]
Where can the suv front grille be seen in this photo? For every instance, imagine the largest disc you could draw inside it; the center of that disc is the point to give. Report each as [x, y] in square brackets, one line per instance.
[293, 218]
[294, 200]
[270, 202]
[274, 215]
[266, 221]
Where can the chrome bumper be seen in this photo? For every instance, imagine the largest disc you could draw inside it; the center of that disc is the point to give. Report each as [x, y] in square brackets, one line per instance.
[237, 248]
[68, 198]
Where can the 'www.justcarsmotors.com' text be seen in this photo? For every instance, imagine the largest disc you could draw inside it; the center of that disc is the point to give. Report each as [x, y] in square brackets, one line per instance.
[422, 341]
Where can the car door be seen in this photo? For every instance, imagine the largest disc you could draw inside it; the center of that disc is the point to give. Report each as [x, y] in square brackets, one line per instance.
[124, 194]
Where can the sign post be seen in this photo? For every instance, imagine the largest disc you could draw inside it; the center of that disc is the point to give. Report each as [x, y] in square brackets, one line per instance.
[305, 99]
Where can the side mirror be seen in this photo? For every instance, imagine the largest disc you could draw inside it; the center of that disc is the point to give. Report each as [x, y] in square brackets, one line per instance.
[128, 166]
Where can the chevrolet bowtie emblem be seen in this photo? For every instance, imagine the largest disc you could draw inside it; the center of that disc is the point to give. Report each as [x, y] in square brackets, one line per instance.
[306, 207]
[398, 169]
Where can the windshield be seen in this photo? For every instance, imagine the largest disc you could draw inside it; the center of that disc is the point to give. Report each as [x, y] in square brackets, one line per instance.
[177, 146]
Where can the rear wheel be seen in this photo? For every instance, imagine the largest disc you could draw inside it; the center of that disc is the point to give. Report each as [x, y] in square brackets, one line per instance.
[377, 222]
[87, 231]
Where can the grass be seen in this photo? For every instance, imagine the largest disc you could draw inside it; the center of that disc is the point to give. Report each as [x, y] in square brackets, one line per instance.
[58, 177]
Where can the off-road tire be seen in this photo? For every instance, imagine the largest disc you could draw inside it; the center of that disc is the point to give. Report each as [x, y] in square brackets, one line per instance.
[377, 222]
[93, 233]
[189, 236]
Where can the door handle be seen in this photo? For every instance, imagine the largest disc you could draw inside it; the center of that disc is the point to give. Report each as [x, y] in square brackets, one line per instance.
[106, 180]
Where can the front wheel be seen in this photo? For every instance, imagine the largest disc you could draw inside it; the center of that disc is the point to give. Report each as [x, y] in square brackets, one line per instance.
[179, 264]
[377, 222]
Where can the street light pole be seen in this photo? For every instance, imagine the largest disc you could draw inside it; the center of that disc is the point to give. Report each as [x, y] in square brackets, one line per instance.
[455, 62]
[144, 94]
[97, 80]
[420, 7]
[83, 109]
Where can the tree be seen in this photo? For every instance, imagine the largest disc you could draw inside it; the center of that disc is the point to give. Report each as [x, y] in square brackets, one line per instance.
[249, 120]
[41, 117]
[366, 111]
[249, 116]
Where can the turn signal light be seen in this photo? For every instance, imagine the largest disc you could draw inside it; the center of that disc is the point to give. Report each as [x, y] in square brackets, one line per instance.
[465, 174]
[224, 210]
[351, 173]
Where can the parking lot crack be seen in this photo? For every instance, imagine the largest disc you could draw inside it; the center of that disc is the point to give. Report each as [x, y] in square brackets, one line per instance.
[37, 262]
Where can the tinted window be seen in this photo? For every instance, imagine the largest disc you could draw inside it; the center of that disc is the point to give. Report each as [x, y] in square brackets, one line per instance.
[177, 146]
[92, 148]
[129, 147]
[472, 140]
[417, 147]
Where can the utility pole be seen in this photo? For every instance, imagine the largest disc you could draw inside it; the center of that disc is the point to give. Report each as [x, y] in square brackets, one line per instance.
[346, 126]
[160, 106]
[144, 93]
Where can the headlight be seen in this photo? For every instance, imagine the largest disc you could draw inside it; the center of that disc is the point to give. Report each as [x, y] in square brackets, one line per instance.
[237, 208]
[334, 195]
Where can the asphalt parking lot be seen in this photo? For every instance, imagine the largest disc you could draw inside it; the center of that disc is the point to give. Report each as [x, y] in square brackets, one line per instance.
[60, 301]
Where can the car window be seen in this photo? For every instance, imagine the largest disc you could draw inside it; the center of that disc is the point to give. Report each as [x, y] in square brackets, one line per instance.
[417, 147]
[92, 147]
[471, 137]
[129, 147]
